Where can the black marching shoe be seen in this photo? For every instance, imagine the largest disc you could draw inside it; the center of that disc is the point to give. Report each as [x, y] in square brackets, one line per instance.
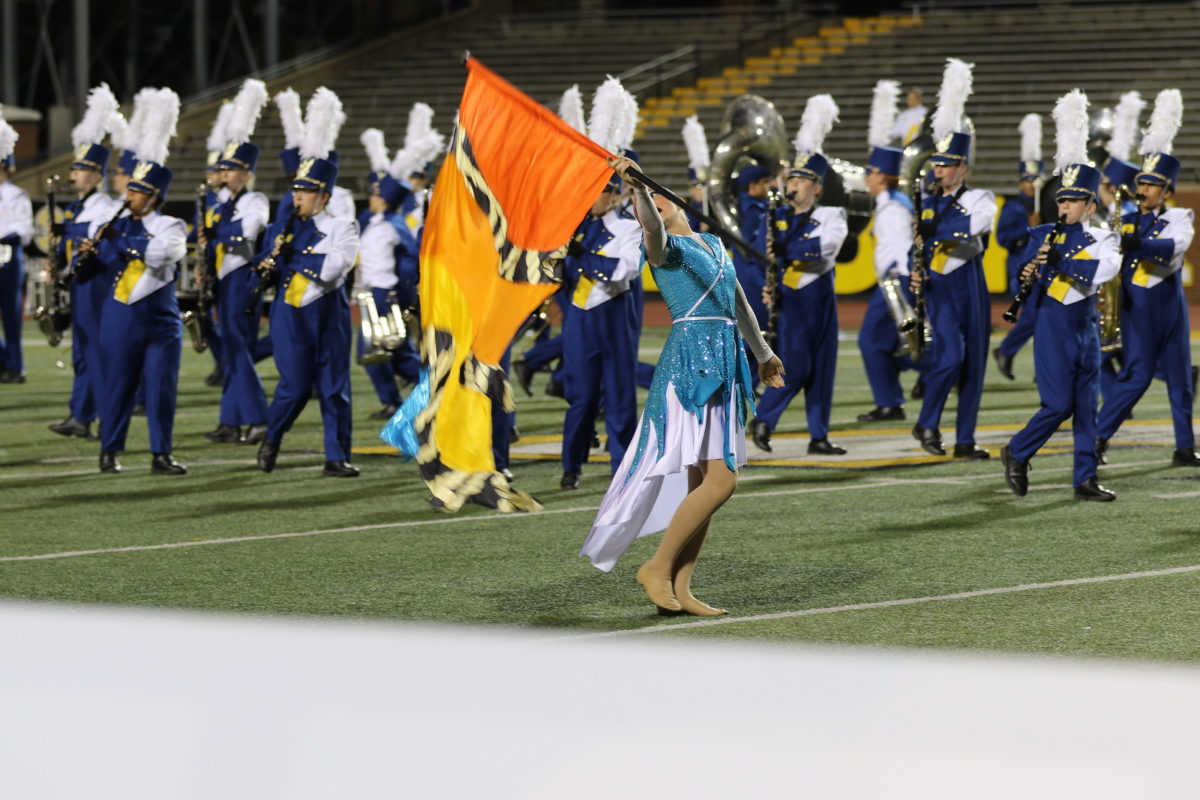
[255, 434]
[1102, 451]
[1092, 490]
[823, 447]
[387, 412]
[882, 414]
[1016, 473]
[227, 434]
[524, 375]
[9, 376]
[570, 480]
[970, 451]
[555, 388]
[165, 464]
[339, 469]
[930, 439]
[760, 433]
[267, 453]
[1185, 458]
[215, 378]
[73, 427]
[918, 390]
[108, 462]
[1004, 364]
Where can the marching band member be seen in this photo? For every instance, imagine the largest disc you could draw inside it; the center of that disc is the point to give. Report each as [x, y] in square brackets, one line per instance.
[1017, 216]
[311, 252]
[16, 231]
[892, 226]
[141, 336]
[805, 240]
[909, 122]
[753, 183]
[1070, 260]
[80, 220]
[1154, 314]
[387, 267]
[423, 144]
[227, 239]
[215, 193]
[954, 223]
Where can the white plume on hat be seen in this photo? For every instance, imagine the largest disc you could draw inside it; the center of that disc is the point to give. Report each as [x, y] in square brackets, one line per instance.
[377, 153]
[1165, 120]
[952, 98]
[8, 137]
[1070, 129]
[247, 107]
[422, 143]
[101, 107]
[606, 123]
[1031, 137]
[288, 103]
[1125, 124]
[218, 133]
[696, 142]
[883, 113]
[162, 113]
[125, 134]
[820, 112]
[323, 120]
[570, 108]
[627, 120]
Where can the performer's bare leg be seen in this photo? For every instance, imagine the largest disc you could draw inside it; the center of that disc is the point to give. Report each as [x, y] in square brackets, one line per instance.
[710, 483]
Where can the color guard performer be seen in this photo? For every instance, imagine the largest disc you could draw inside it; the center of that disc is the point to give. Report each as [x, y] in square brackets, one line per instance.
[310, 251]
[16, 231]
[955, 221]
[141, 336]
[1154, 318]
[805, 240]
[1070, 259]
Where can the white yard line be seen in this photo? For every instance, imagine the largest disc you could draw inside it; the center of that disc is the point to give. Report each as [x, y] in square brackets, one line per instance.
[875, 483]
[907, 601]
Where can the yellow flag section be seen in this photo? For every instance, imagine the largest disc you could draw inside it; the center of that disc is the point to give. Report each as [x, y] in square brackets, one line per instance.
[858, 275]
[511, 192]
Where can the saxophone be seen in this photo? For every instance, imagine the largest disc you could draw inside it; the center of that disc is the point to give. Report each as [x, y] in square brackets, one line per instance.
[1108, 296]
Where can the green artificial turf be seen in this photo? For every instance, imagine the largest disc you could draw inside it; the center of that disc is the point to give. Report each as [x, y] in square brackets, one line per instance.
[791, 539]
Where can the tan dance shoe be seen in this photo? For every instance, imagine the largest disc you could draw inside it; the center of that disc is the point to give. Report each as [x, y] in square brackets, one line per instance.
[659, 590]
[691, 605]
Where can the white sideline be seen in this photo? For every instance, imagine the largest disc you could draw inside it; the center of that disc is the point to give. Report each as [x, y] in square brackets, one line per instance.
[907, 601]
[875, 483]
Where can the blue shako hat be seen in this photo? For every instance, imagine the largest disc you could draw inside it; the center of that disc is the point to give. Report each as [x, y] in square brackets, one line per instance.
[809, 165]
[290, 158]
[91, 156]
[239, 156]
[954, 149]
[391, 190]
[749, 174]
[1120, 172]
[127, 162]
[1030, 170]
[316, 173]
[693, 176]
[8, 161]
[1160, 169]
[885, 160]
[1079, 182]
[149, 177]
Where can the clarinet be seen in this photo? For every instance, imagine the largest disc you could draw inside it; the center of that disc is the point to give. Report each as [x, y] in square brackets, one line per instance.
[1027, 285]
[68, 275]
[266, 267]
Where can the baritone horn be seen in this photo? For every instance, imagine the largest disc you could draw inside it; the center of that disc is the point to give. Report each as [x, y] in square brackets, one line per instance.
[385, 331]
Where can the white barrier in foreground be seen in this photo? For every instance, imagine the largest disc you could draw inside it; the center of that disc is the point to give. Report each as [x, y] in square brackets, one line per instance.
[98, 703]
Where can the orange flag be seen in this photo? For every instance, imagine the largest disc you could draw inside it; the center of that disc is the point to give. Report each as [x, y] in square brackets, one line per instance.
[513, 187]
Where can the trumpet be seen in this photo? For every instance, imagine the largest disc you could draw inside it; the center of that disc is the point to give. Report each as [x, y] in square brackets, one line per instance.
[384, 331]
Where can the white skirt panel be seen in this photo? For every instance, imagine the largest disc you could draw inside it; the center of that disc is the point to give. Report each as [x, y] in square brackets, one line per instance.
[645, 503]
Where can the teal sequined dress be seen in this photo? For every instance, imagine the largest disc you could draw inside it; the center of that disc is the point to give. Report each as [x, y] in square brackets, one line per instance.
[698, 403]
